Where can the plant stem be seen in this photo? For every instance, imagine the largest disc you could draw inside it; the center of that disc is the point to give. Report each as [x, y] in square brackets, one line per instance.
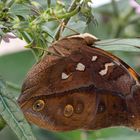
[115, 8]
[49, 3]
[47, 51]
[65, 21]
[67, 15]
[123, 23]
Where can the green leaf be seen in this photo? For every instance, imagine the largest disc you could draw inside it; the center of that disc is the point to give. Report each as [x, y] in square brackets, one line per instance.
[47, 30]
[59, 8]
[11, 113]
[114, 133]
[127, 45]
[20, 10]
[138, 1]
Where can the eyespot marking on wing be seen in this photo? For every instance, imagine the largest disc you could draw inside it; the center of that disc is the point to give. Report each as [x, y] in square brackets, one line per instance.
[38, 105]
[79, 108]
[68, 110]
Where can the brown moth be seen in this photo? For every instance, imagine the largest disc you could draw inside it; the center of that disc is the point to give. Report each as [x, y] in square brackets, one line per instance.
[79, 86]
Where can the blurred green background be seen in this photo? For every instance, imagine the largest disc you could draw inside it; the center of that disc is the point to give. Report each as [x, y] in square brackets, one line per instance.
[13, 68]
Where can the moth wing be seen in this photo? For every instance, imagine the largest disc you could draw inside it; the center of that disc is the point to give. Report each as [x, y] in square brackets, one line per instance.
[74, 66]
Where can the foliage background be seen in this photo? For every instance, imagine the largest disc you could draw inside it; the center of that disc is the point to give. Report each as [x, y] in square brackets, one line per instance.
[116, 19]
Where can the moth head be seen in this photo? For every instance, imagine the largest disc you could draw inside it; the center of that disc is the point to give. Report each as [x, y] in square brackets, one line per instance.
[61, 112]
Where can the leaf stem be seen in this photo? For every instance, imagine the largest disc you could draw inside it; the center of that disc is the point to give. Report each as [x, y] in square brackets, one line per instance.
[49, 3]
[67, 15]
[65, 21]
[47, 51]
[123, 22]
[115, 8]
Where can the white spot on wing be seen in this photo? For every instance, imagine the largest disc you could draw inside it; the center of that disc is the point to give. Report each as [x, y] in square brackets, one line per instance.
[94, 58]
[80, 67]
[104, 71]
[64, 76]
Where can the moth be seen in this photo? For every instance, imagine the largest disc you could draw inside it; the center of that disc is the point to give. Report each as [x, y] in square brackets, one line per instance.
[79, 86]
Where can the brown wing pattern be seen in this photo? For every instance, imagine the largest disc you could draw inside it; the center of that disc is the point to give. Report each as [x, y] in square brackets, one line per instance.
[84, 78]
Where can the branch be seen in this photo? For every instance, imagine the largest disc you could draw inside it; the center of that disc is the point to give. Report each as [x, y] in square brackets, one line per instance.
[115, 8]
[65, 21]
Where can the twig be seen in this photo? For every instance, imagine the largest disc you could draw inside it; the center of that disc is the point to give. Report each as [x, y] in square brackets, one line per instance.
[62, 24]
[115, 8]
[65, 21]
[64, 16]
[47, 51]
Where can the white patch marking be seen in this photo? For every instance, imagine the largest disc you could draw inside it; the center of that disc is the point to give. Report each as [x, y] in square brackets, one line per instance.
[84, 36]
[64, 76]
[80, 67]
[104, 71]
[94, 58]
